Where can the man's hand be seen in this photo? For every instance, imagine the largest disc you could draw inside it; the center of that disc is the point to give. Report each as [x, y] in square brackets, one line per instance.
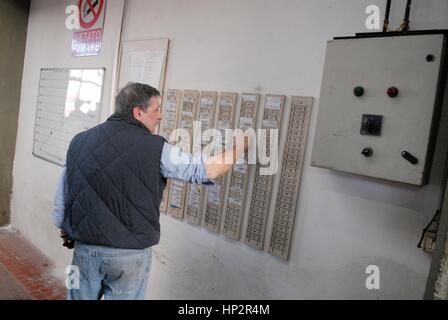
[69, 243]
[220, 163]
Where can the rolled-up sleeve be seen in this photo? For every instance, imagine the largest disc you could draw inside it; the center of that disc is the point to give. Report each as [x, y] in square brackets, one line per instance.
[176, 164]
[59, 200]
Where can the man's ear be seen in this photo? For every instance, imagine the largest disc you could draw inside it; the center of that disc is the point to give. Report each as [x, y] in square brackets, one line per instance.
[136, 112]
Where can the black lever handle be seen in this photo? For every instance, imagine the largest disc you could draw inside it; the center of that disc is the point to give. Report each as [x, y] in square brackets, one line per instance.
[409, 157]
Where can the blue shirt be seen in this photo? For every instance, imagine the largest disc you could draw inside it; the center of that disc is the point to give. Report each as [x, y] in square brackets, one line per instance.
[186, 167]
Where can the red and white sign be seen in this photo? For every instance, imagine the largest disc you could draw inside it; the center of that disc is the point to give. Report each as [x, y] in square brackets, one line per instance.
[87, 41]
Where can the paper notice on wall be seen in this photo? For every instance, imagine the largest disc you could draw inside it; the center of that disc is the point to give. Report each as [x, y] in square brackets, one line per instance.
[226, 103]
[206, 103]
[235, 195]
[188, 99]
[270, 123]
[194, 196]
[241, 168]
[214, 194]
[187, 113]
[273, 102]
[235, 201]
[146, 67]
[249, 98]
[170, 116]
[171, 104]
[186, 124]
[236, 191]
[176, 194]
[245, 123]
[223, 124]
[205, 122]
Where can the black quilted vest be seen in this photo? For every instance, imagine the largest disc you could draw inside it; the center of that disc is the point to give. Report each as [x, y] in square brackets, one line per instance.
[114, 186]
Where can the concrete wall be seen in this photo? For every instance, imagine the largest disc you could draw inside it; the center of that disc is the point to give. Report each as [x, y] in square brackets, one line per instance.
[343, 223]
[13, 25]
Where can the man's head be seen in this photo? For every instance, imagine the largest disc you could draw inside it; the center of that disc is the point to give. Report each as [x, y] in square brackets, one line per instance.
[141, 102]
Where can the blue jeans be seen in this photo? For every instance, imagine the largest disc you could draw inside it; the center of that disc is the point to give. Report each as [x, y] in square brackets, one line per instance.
[118, 274]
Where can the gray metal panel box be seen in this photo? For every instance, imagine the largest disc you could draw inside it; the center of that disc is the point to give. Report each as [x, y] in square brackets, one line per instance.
[377, 106]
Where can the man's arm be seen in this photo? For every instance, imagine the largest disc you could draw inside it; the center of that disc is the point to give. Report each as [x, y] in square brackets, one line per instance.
[179, 165]
[59, 200]
[176, 164]
[222, 162]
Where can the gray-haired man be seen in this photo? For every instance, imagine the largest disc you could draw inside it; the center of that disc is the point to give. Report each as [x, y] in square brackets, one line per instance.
[110, 192]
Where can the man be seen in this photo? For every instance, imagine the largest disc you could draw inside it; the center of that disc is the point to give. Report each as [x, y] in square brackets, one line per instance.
[110, 192]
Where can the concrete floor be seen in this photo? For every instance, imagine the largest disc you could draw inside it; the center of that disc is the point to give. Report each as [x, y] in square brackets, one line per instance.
[10, 288]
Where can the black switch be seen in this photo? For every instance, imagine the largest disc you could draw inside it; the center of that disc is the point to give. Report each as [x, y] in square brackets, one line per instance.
[409, 157]
[371, 124]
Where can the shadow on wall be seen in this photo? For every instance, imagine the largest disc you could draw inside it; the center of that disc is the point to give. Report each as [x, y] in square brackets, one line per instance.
[13, 28]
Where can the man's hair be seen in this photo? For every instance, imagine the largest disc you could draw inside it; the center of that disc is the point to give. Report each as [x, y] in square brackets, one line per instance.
[134, 95]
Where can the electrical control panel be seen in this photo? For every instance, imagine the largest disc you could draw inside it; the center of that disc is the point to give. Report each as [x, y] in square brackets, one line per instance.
[378, 105]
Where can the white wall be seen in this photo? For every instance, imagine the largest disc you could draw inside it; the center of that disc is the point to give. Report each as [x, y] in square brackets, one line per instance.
[343, 223]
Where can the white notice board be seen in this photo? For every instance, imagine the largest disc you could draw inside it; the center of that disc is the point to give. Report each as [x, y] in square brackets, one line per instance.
[143, 61]
[69, 102]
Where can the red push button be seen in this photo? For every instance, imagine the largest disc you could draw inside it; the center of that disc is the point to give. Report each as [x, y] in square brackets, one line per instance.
[392, 92]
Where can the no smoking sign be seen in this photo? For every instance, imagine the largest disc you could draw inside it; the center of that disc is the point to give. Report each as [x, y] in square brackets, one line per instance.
[90, 12]
[88, 40]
